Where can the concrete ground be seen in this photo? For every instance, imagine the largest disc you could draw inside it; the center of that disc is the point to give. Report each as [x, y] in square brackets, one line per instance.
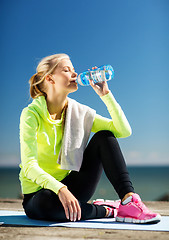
[46, 233]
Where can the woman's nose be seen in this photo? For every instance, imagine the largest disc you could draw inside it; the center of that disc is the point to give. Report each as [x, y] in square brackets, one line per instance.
[75, 74]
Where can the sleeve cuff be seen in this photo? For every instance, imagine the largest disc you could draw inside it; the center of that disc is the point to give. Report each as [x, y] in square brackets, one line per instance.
[108, 98]
[55, 186]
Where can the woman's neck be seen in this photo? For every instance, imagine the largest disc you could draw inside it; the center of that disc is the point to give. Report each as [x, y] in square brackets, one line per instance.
[55, 105]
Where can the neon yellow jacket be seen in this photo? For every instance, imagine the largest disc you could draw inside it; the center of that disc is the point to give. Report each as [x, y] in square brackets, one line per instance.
[41, 139]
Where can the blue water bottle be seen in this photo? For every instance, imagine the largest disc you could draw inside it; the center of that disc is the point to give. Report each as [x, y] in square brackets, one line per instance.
[100, 74]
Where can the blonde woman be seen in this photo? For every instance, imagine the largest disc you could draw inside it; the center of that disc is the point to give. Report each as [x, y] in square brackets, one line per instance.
[59, 170]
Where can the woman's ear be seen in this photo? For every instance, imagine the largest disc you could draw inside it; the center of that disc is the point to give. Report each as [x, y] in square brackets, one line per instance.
[49, 79]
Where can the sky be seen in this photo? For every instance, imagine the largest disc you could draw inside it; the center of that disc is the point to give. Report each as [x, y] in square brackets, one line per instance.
[130, 35]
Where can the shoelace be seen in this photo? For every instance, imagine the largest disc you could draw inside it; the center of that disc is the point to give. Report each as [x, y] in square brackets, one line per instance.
[141, 205]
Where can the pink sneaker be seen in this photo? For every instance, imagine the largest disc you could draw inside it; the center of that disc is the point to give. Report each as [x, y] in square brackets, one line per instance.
[133, 210]
[110, 204]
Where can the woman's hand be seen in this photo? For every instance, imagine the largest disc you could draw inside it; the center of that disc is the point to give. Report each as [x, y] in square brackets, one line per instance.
[100, 88]
[70, 204]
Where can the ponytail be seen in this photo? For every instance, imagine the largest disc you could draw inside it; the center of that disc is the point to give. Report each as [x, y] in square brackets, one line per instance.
[36, 86]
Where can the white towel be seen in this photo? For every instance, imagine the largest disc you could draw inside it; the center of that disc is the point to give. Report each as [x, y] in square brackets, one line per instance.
[78, 124]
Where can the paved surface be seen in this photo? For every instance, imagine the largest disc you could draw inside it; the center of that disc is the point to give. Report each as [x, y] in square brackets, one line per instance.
[60, 233]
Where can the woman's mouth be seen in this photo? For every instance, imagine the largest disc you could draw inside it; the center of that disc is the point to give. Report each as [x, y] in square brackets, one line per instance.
[73, 81]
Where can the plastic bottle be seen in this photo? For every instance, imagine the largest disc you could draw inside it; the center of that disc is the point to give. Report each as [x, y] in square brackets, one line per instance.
[100, 74]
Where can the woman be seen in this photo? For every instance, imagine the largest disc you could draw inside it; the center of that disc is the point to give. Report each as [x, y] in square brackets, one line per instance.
[59, 171]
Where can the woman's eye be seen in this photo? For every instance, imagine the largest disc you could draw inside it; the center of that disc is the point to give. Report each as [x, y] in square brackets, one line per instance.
[66, 70]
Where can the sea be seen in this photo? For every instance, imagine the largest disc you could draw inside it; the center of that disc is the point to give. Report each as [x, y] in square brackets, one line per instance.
[151, 183]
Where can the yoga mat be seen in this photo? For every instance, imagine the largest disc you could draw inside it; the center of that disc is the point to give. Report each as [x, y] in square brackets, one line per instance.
[20, 218]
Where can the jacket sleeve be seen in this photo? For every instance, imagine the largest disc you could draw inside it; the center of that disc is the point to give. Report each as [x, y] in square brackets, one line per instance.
[118, 124]
[28, 148]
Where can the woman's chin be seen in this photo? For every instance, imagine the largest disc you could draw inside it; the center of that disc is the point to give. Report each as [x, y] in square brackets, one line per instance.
[73, 87]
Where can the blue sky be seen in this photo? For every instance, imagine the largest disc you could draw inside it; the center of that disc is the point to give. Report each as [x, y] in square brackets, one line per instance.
[131, 35]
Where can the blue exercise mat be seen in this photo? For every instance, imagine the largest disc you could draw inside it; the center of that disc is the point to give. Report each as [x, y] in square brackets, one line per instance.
[20, 218]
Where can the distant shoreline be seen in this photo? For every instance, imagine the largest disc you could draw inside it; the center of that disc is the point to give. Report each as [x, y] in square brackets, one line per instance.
[128, 166]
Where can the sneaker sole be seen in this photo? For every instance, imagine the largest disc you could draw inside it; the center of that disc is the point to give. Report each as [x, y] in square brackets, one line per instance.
[133, 220]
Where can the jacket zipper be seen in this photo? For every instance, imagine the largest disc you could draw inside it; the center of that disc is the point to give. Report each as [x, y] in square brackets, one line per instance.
[55, 139]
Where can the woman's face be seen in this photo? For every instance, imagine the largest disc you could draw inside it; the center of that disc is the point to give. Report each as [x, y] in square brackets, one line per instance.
[65, 76]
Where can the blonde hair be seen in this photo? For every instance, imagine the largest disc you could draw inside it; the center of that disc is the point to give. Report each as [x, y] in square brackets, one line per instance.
[46, 66]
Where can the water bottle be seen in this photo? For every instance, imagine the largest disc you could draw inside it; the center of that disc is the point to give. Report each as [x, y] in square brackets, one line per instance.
[100, 74]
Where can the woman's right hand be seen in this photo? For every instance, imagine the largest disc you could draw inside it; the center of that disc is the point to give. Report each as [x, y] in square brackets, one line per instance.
[70, 204]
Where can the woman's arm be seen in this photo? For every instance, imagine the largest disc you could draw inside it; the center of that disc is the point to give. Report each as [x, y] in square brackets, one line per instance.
[118, 125]
[28, 147]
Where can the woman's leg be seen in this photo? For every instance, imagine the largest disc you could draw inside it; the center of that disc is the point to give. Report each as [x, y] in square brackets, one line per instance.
[104, 149]
[102, 152]
[45, 205]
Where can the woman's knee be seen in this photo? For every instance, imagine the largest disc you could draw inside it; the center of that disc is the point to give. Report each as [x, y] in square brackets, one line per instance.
[45, 204]
[42, 201]
[46, 198]
[102, 134]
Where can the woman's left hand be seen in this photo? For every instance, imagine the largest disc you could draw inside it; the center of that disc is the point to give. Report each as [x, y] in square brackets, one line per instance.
[100, 88]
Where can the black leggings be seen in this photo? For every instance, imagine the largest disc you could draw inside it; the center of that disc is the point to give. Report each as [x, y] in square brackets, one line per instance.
[102, 152]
